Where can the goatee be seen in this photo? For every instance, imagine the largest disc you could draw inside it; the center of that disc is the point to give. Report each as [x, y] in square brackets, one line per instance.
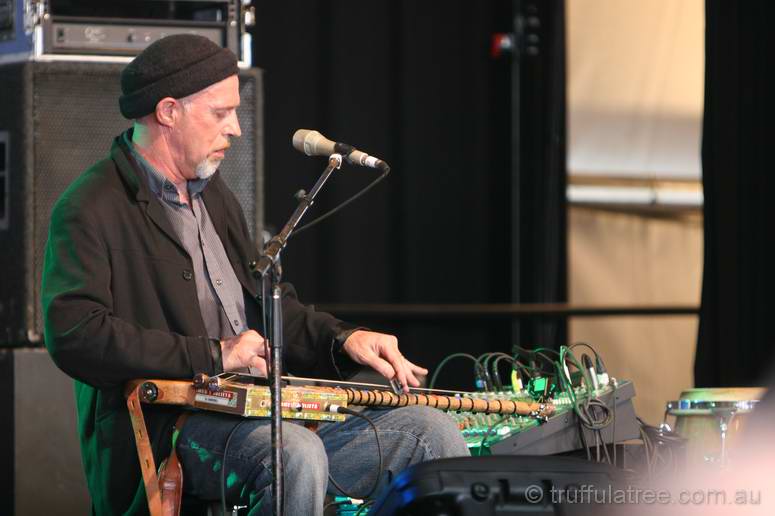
[206, 168]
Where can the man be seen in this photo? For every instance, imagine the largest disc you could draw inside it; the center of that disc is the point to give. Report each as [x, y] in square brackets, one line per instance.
[146, 276]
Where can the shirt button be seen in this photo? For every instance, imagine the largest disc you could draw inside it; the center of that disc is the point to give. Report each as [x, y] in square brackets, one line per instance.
[236, 322]
[187, 274]
[219, 282]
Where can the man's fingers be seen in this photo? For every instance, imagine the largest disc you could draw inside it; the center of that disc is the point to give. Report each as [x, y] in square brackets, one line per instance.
[264, 350]
[412, 373]
[256, 343]
[412, 380]
[417, 369]
[380, 351]
[383, 367]
[239, 351]
[398, 362]
[259, 365]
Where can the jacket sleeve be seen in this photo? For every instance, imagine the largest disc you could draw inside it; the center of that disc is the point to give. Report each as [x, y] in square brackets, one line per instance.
[82, 335]
[314, 340]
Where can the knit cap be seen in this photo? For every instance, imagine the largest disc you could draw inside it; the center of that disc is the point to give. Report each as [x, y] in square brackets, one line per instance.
[176, 66]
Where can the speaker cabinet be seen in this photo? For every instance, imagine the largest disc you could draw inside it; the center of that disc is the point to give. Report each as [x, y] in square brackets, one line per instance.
[40, 460]
[56, 120]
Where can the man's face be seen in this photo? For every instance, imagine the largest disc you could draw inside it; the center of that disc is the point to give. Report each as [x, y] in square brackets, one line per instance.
[208, 121]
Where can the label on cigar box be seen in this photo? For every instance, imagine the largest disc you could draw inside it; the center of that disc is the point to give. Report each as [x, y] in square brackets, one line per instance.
[228, 399]
[305, 403]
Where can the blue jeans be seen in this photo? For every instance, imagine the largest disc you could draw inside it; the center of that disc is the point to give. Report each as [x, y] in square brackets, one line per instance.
[347, 450]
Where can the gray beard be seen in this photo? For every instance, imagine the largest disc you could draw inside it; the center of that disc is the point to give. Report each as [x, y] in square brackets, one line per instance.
[206, 168]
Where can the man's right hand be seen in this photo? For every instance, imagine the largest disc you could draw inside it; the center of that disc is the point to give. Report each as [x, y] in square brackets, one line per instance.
[244, 350]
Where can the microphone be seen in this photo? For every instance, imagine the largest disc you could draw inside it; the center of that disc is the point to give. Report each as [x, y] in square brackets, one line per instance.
[312, 143]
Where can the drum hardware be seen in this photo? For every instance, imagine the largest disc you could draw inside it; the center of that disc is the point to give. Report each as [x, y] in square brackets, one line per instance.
[709, 419]
[724, 418]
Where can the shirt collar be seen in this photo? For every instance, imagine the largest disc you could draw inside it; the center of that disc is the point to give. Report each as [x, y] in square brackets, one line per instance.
[162, 187]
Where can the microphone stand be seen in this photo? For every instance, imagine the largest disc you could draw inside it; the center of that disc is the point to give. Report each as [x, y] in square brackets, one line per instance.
[267, 268]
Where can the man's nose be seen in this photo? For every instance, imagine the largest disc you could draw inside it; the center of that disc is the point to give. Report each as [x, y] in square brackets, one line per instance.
[233, 128]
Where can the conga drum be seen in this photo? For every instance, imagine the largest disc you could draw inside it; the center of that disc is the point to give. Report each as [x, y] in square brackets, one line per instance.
[711, 420]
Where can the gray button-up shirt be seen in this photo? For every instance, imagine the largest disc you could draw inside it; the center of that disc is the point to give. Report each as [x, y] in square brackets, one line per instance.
[221, 300]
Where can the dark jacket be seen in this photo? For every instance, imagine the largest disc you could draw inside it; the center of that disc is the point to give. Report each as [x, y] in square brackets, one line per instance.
[120, 302]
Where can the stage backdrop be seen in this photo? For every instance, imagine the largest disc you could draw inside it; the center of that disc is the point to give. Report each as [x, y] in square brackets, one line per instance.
[736, 334]
[415, 84]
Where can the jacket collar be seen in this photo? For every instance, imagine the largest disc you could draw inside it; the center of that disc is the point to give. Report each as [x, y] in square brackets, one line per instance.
[129, 169]
[135, 179]
[132, 171]
[158, 183]
[137, 183]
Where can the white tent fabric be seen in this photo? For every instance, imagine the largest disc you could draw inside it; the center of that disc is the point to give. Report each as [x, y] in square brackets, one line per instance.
[635, 100]
[635, 88]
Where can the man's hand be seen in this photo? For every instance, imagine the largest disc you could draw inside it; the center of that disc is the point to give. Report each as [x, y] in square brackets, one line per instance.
[244, 350]
[380, 351]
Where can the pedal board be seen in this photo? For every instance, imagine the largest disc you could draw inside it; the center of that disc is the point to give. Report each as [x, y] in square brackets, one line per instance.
[561, 432]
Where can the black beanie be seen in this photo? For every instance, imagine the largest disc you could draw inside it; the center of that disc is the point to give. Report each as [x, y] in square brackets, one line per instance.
[175, 66]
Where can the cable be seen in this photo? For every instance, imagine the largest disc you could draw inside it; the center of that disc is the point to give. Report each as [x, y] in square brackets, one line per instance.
[444, 362]
[344, 410]
[592, 412]
[223, 465]
[647, 449]
[495, 382]
[599, 359]
[526, 369]
[656, 442]
[481, 372]
[535, 353]
[583, 439]
[588, 414]
[340, 207]
[364, 505]
[532, 369]
[605, 448]
[546, 357]
[565, 354]
[597, 446]
[583, 344]
[613, 423]
[335, 503]
[549, 350]
[492, 426]
[495, 373]
[584, 411]
[567, 386]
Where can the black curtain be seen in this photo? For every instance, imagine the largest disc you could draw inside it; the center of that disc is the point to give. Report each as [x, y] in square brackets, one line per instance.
[415, 84]
[736, 335]
[539, 175]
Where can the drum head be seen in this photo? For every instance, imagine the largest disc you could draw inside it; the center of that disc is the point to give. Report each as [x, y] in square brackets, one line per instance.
[724, 394]
[716, 401]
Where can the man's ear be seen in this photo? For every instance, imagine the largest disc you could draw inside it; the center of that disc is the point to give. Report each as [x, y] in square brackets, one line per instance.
[168, 111]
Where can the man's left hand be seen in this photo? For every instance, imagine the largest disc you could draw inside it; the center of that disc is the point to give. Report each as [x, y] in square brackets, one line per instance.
[380, 351]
